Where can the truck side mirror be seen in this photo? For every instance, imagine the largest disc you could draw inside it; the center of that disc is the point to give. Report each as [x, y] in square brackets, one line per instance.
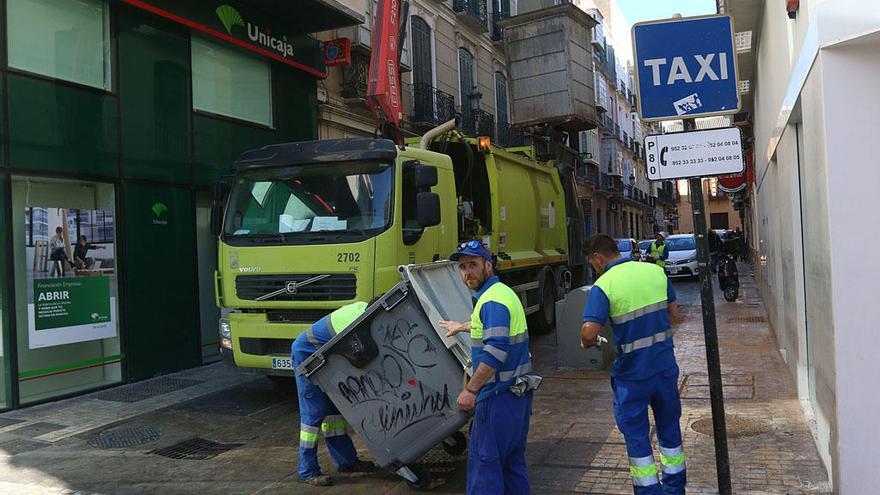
[426, 176]
[221, 192]
[428, 209]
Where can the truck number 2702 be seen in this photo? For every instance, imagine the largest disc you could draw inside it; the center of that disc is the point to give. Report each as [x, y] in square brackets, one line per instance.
[348, 257]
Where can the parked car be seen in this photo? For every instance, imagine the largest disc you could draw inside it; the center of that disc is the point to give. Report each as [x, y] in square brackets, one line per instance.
[629, 246]
[644, 246]
[682, 261]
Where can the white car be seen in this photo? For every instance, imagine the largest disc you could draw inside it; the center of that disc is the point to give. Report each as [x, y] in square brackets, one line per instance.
[682, 261]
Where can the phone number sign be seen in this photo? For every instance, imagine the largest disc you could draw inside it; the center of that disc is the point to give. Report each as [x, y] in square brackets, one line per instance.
[705, 153]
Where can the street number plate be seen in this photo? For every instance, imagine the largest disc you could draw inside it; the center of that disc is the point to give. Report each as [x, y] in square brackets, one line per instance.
[282, 364]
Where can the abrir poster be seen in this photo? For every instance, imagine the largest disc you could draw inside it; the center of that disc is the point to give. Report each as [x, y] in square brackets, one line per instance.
[71, 276]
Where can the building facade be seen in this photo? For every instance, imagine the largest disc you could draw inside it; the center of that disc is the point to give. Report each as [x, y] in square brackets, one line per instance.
[119, 117]
[813, 72]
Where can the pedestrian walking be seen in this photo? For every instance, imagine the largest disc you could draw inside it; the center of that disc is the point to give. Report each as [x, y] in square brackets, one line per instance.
[715, 245]
[658, 252]
[639, 300]
[316, 410]
[500, 389]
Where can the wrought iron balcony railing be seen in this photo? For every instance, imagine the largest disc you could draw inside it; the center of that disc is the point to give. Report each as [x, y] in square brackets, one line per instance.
[473, 13]
[354, 77]
[477, 122]
[497, 33]
[508, 137]
[430, 105]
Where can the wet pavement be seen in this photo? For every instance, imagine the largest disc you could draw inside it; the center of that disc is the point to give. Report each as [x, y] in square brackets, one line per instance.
[212, 430]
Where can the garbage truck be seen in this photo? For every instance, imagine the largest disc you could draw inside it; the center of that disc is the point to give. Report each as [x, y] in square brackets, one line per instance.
[306, 227]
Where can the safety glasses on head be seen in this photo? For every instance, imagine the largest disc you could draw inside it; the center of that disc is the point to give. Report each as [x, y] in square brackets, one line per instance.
[470, 244]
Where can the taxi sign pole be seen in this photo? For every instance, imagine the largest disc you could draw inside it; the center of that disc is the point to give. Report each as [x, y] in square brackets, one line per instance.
[710, 330]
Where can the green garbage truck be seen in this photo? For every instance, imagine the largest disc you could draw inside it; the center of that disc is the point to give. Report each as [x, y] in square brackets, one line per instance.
[306, 227]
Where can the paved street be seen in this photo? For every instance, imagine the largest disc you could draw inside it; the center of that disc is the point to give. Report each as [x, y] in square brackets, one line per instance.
[126, 440]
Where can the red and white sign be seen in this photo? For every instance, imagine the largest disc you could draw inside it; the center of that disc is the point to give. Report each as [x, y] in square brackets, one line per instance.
[383, 82]
[337, 52]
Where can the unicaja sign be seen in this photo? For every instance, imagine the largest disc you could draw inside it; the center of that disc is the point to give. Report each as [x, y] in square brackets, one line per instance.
[231, 18]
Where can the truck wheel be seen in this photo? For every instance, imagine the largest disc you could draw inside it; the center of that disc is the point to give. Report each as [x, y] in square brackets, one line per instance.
[543, 321]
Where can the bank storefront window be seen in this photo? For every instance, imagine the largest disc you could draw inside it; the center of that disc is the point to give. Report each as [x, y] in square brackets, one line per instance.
[65, 286]
[63, 39]
[231, 83]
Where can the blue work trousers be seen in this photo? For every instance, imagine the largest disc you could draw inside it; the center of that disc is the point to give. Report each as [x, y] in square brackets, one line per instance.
[497, 454]
[317, 412]
[631, 401]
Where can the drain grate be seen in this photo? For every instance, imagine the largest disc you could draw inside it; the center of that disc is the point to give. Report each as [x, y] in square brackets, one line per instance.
[130, 436]
[145, 390]
[195, 449]
[747, 319]
[737, 427]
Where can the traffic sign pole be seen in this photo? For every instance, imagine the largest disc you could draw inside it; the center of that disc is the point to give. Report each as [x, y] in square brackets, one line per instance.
[710, 330]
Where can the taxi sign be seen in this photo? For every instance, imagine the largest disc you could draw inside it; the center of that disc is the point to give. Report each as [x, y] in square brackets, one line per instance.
[686, 67]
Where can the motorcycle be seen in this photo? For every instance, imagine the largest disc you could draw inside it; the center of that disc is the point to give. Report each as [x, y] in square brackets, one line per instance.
[728, 277]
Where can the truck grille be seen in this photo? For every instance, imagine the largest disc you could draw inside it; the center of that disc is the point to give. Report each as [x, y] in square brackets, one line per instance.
[296, 315]
[340, 287]
[265, 347]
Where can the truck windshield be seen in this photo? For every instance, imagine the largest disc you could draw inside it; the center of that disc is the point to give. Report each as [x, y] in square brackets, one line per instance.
[304, 203]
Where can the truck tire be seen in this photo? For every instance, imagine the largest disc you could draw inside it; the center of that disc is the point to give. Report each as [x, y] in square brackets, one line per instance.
[543, 321]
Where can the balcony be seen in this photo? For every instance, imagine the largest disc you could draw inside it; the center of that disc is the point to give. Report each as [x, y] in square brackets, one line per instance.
[431, 106]
[478, 122]
[611, 184]
[472, 13]
[497, 33]
[587, 173]
[354, 77]
[508, 137]
[606, 125]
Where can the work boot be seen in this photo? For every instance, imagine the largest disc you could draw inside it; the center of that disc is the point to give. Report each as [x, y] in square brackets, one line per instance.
[359, 466]
[319, 480]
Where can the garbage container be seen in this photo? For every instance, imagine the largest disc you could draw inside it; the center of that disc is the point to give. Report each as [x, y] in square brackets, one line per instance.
[395, 382]
[569, 319]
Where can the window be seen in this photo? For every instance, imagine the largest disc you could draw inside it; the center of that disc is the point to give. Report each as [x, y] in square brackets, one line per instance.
[467, 81]
[229, 83]
[63, 39]
[501, 99]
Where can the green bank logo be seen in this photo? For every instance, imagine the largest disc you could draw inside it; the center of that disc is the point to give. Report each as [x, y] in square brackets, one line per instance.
[160, 214]
[229, 17]
[263, 36]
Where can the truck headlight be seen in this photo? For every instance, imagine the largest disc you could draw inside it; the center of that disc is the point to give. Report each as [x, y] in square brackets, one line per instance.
[225, 329]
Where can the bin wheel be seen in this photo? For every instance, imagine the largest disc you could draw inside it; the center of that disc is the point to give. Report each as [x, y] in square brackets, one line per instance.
[455, 444]
[423, 479]
[731, 293]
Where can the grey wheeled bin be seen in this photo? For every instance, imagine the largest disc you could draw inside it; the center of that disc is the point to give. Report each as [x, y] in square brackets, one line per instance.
[395, 382]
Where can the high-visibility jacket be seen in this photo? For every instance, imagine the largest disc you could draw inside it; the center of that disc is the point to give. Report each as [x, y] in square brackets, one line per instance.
[638, 296]
[658, 253]
[327, 327]
[499, 336]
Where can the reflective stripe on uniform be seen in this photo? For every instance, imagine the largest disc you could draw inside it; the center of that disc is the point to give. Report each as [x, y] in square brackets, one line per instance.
[510, 375]
[496, 332]
[312, 339]
[308, 436]
[672, 460]
[643, 471]
[496, 352]
[632, 315]
[516, 339]
[646, 341]
[334, 426]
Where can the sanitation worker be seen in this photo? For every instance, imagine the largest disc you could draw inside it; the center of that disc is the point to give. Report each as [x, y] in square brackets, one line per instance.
[317, 412]
[640, 302]
[500, 389]
[658, 252]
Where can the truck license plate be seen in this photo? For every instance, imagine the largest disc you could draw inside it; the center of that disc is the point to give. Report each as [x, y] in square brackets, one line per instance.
[281, 364]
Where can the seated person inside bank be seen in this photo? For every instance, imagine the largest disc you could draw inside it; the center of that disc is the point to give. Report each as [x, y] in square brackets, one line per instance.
[80, 254]
[316, 410]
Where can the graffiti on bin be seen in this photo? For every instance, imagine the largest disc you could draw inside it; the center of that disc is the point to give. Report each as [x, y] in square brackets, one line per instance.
[392, 392]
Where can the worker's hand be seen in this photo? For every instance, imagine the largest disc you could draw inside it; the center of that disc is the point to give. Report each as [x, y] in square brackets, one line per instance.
[453, 327]
[587, 343]
[467, 400]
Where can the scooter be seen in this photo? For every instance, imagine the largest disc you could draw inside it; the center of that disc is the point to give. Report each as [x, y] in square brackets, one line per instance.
[728, 277]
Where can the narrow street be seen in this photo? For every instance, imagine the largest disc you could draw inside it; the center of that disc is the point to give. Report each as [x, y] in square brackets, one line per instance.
[129, 439]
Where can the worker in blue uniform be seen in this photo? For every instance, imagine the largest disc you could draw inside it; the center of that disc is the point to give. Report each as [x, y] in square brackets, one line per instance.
[639, 301]
[316, 411]
[500, 389]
